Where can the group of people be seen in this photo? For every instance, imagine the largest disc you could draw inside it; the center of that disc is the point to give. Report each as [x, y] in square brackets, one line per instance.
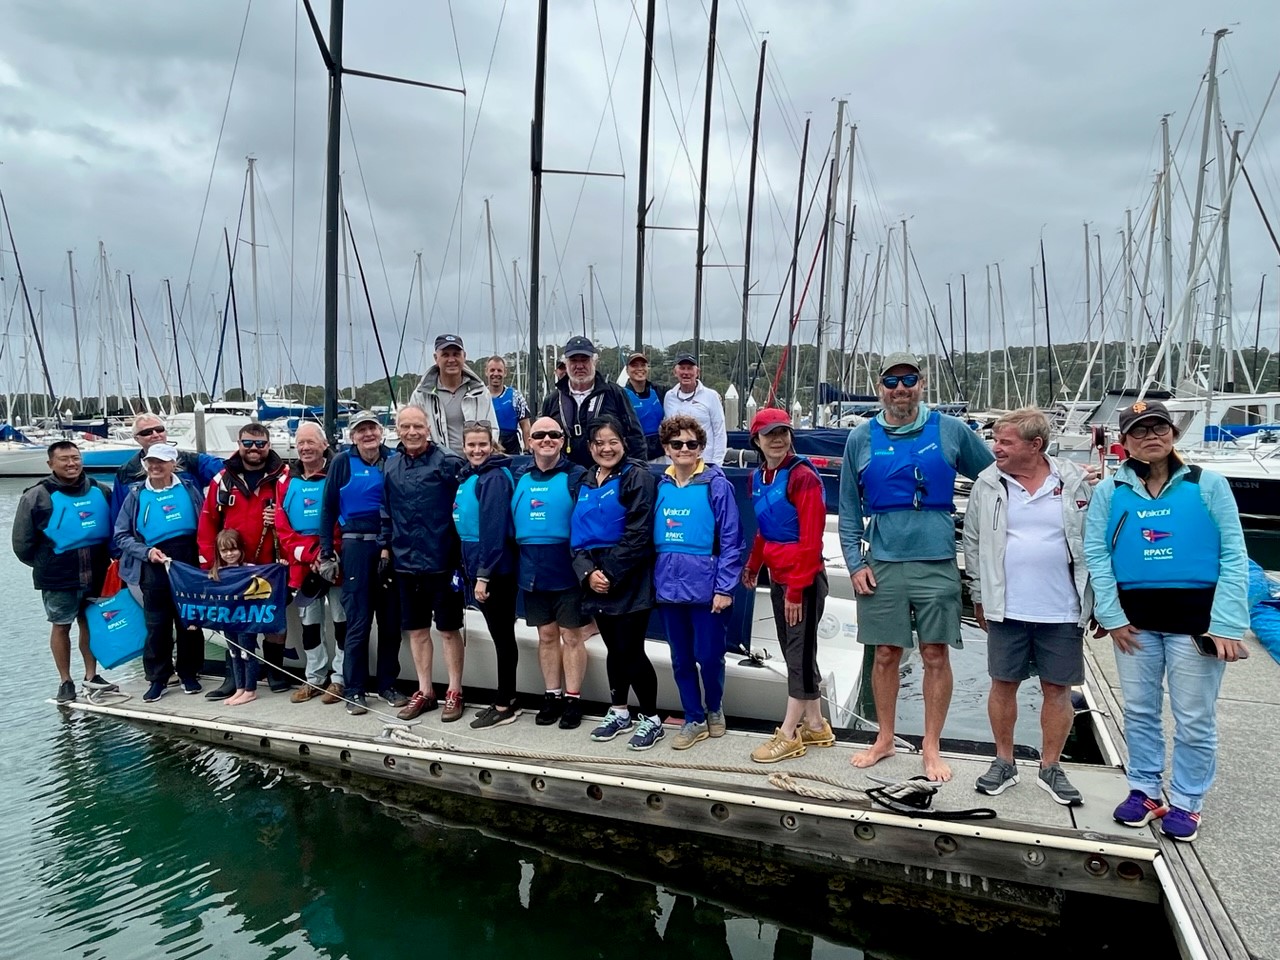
[587, 538]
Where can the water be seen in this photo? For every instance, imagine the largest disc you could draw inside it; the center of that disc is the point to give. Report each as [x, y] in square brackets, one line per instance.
[118, 843]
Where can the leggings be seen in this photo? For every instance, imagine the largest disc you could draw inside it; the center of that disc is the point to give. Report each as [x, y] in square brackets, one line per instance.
[500, 616]
[627, 663]
[244, 665]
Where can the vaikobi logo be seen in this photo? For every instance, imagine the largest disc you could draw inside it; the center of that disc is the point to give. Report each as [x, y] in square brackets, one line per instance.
[1149, 514]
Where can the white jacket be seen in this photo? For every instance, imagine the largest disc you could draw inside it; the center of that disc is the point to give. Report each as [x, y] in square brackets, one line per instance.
[705, 406]
[477, 404]
[986, 533]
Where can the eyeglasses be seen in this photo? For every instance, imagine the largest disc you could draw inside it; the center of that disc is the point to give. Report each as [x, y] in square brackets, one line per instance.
[254, 444]
[477, 424]
[546, 435]
[149, 431]
[1160, 428]
[684, 444]
[908, 380]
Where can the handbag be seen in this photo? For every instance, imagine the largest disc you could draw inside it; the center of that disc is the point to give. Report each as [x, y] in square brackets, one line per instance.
[117, 629]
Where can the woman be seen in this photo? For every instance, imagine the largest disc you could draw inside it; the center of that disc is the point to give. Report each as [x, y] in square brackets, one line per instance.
[791, 515]
[697, 533]
[612, 542]
[156, 524]
[482, 516]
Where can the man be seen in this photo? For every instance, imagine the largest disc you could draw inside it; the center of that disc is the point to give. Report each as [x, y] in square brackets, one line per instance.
[509, 408]
[581, 396]
[899, 473]
[243, 497]
[61, 531]
[647, 399]
[198, 469]
[692, 397]
[352, 505]
[1024, 556]
[541, 509]
[299, 493]
[452, 394]
[1170, 575]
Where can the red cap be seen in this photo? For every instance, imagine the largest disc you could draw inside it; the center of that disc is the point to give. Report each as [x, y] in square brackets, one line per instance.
[769, 419]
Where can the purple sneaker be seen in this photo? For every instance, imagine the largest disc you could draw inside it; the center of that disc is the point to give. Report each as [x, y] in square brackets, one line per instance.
[1179, 824]
[1138, 810]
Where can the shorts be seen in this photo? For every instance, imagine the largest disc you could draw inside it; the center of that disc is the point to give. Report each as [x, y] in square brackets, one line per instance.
[63, 607]
[924, 594]
[1017, 649]
[422, 594]
[563, 607]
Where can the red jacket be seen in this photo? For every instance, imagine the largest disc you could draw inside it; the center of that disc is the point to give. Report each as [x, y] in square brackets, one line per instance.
[795, 565]
[299, 549]
[230, 505]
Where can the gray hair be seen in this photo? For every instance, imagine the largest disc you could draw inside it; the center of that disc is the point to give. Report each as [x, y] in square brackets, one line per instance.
[147, 417]
[1030, 422]
[311, 425]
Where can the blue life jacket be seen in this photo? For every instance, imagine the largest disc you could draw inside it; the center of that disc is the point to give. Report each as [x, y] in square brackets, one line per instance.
[542, 508]
[78, 521]
[683, 521]
[599, 517]
[165, 515]
[776, 516]
[908, 474]
[117, 628]
[504, 408]
[1169, 543]
[648, 409]
[302, 504]
[466, 508]
[361, 496]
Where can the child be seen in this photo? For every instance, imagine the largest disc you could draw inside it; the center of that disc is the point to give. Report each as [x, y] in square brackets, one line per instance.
[229, 552]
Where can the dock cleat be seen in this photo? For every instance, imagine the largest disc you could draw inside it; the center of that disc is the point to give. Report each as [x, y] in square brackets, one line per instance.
[1138, 810]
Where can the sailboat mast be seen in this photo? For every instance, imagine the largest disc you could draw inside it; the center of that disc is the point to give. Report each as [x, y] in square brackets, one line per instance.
[795, 258]
[137, 360]
[702, 177]
[642, 202]
[75, 326]
[828, 268]
[906, 287]
[1166, 213]
[1130, 331]
[850, 212]
[535, 218]
[964, 329]
[493, 287]
[1088, 304]
[1102, 318]
[332, 223]
[177, 354]
[744, 362]
[1004, 334]
[253, 275]
[1048, 330]
[989, 339]
[346, 290]
[1035, 350]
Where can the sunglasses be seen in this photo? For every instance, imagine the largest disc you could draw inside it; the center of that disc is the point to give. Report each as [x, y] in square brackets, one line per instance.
[1142, 431]
[149, 431]
[546, 435]
[477, 425]
[907, 380]
[684, 444]
[254, 444]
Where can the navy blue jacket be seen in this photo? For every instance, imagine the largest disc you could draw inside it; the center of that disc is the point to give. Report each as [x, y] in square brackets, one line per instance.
[628, 564]
[549, 566]
[417, 510]
[337, 477]
[495, 553]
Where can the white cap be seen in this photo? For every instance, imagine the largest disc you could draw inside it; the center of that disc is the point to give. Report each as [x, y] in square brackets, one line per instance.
[162, 451]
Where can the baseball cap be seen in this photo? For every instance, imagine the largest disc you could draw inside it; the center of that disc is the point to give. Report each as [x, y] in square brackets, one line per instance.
[1143, 410]
[899, 358]
[364, 416]
[162, 451]
[768, 420]
[449, 340]
[686, 358]
[579, 346]
[637, 355]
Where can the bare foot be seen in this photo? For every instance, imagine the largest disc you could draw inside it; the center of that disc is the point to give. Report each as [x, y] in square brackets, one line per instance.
[234, 699]
[872, 755]
[935, 768]
[248, 697]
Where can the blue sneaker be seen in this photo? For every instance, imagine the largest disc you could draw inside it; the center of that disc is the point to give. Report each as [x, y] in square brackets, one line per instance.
[154, 692]
[648, 732]
[1138, 810]
[191, 686]
[1179, 824]
[613, 724]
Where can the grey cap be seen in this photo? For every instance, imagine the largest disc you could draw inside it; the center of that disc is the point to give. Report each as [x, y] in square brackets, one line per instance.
[899, 358]
[364, 416]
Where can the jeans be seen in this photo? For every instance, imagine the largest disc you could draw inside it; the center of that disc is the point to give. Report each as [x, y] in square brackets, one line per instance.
[697, 639]
[244, 662]
[1193, 693]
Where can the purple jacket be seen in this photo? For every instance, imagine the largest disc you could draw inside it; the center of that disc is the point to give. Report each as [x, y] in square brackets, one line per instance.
[689, 578]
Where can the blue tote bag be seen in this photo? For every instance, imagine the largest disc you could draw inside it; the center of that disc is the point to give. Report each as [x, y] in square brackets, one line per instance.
[117, 629]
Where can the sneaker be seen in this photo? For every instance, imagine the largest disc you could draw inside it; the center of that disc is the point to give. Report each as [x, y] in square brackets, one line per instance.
[393, 696]
[492, 716]
[332, 693]
[417, 705]
[825, 737]
[613, 724]
[1000, 776]
[552, 706]
[191, 686]
[305, 693]
[96, 684]
[571, 715]
[357, 705]
[1055, 783]
[648, 732]
[453, 706]
[715, 723]
[778, 748]
[1138, 810]
[66, 692]
[154, 692]
[1179, 824]
[690, 734]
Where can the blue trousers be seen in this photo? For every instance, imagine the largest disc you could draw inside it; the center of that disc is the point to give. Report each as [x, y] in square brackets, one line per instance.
[696, 636]
[244, 665]
[364, 598]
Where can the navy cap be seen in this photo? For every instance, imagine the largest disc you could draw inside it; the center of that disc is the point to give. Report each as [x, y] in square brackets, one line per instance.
[449, 340]
[686, 358]
[579, 346]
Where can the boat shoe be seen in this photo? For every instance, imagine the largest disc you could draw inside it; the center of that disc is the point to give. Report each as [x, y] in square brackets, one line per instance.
[778, 748]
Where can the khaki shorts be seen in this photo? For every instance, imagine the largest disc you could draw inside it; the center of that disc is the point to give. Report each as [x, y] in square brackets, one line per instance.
[923, 595]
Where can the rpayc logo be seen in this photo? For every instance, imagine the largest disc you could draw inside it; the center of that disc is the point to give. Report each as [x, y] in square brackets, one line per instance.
[1154, 536]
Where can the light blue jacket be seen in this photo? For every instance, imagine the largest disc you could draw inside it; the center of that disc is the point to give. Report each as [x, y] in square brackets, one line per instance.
[1230, 614]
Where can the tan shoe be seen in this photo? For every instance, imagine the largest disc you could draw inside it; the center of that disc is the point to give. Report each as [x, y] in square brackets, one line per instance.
[689, 734]
[778, 748]
[715, 723]
[332, 693]
[305, 693]
[818, 738]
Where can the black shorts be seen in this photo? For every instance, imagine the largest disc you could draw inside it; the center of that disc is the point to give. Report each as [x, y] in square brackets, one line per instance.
[554, 606]
[422, 594]
[1017, 649]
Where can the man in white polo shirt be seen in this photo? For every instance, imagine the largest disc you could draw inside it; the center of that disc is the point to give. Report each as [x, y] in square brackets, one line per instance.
[693, 398]
[1024, 555]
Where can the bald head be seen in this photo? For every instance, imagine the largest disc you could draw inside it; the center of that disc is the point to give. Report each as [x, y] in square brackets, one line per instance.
[546, 436]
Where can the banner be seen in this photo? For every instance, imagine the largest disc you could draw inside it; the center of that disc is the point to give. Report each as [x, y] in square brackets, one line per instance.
[249, 599]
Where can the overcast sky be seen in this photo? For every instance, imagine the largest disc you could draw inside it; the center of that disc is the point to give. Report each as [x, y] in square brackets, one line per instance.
[984, 124]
